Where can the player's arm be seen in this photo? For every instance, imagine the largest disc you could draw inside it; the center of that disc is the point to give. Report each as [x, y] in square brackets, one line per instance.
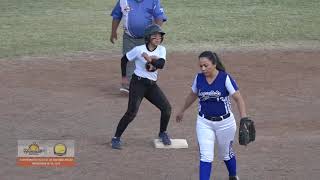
[193, 95]
[159, 63]
[235, 94]
[124, 61]
[129, 56]
[188, 102]
[240, 104]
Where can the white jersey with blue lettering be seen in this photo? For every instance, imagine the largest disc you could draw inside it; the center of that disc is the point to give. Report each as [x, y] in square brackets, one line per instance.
[136, 55]
[214, 98]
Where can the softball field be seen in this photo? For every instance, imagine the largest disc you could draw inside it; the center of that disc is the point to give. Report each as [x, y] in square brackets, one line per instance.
[76, 97]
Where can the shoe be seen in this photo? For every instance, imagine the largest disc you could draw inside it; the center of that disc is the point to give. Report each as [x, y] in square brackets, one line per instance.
[234, 178]
[124, 90]
[116, 143]
[164, 137]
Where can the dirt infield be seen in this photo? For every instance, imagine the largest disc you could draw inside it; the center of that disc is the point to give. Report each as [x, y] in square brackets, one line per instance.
[77, 98]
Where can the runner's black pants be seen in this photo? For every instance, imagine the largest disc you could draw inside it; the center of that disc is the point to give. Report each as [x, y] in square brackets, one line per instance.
[140, 88]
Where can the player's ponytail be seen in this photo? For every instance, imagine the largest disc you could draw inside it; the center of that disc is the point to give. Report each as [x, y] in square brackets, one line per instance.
[213, 57]
[219, 64]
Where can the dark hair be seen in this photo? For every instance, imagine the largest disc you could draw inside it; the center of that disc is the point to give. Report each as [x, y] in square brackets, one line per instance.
[213, 57]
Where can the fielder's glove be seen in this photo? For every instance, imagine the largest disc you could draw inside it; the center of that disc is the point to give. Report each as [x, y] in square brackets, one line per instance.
[150, 67]
[247, 131]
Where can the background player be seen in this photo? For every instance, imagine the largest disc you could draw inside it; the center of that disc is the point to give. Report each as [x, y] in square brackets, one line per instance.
[148, 58]
[136, 15]
[215, 121]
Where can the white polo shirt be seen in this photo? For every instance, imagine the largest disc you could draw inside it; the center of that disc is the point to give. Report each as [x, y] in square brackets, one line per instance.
[136, 55]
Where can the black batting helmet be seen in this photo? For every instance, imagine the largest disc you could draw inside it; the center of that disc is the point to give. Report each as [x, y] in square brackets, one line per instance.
[152, 29]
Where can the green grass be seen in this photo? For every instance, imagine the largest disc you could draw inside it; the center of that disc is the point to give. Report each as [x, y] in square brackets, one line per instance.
[205, 23]
[38, 27]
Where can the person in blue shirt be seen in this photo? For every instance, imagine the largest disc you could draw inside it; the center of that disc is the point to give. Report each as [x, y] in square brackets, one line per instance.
[136, 16]
[215, 121]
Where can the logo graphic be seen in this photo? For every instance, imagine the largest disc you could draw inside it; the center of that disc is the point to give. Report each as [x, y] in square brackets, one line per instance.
[60, 149]
[49, 153]
[33, 149]
[127, 8]
[205, 95]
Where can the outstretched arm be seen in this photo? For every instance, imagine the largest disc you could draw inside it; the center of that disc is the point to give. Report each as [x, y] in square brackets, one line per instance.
[189, 101]
[240, 104]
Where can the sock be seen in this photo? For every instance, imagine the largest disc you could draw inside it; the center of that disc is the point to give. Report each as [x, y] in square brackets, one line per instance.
[205, 170]
[232, 166]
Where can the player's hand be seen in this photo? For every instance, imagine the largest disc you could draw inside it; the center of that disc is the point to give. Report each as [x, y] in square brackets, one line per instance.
[150, 67]
[179, 117]
[113, 37]
[146, 57]
[153, 57]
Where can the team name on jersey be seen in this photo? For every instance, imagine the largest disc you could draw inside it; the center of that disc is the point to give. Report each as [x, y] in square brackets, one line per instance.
[205, 95]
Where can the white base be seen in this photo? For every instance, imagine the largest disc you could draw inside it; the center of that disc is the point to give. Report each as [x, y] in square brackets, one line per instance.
[175, 144]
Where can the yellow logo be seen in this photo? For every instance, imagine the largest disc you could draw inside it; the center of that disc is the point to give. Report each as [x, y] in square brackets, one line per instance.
[60, 149]
[33, 149]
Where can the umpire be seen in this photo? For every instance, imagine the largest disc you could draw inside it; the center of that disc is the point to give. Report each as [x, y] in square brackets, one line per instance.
[136, 15]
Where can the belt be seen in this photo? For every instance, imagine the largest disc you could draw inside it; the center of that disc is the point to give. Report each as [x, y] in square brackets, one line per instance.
[133, 37]
[215, 118]
[146, 81]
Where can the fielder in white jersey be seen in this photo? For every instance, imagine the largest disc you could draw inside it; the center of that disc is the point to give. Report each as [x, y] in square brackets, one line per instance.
[215, 120]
